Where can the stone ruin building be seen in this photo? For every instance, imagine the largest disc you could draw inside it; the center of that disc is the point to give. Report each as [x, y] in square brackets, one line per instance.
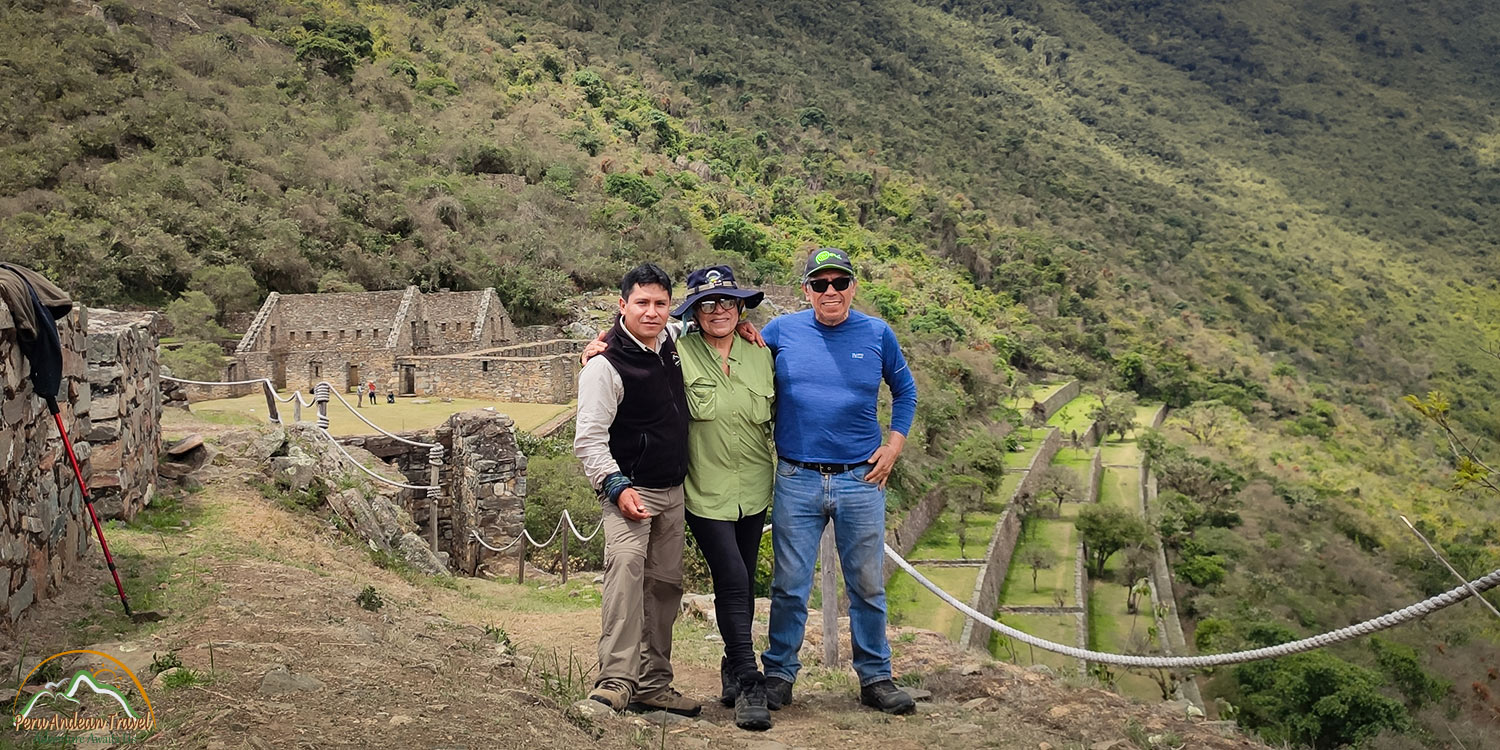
[412, 343]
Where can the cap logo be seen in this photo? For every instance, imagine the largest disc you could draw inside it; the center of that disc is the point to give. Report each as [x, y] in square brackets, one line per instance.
[825, 255]
[714, 276]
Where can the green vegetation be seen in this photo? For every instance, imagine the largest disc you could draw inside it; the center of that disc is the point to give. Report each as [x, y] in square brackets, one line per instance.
[912, 605]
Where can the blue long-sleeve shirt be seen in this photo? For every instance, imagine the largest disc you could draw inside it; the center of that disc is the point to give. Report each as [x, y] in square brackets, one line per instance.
[828, 386]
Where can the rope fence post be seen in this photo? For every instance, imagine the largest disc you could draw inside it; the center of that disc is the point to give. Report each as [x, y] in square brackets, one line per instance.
[320, 397]
[828, 585]
[521, 561]
[434, 466]
[565, 553]
[275, 413]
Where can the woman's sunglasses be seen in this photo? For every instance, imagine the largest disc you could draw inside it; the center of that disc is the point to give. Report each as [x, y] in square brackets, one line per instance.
[840, 283]
[714, 305]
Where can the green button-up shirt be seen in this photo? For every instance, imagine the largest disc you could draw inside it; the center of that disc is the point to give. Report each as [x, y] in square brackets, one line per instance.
[731, 460]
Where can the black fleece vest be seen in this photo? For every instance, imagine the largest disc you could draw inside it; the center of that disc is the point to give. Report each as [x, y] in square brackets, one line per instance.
[648, 438]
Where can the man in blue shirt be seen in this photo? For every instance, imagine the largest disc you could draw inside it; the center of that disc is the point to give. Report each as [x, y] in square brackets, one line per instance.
[833, 464]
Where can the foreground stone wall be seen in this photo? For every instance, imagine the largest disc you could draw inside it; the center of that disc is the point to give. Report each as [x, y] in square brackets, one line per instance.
[126, 414]
[483, 479]
[44, 529]
[489, 486]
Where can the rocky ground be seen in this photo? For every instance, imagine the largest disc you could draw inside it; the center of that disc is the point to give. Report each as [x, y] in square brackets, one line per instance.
[260, 604]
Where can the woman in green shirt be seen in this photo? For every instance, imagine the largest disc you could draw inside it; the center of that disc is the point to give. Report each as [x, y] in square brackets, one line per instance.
[730, 387]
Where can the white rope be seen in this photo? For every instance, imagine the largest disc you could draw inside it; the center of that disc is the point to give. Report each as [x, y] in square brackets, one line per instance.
[579, 536]
[474, 533]
[1388, 620]
[367, 470]
[566, 518]
[532, 540]
[220, 382]
[377, 427]
[298, 395]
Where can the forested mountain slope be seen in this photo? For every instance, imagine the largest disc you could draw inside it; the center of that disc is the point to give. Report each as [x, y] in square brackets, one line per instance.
[1285, 209]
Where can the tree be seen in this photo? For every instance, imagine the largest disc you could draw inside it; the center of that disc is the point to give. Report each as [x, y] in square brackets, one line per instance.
[965, 497]
[1038, 557]
[1059, 484]
[1115, 414]
[192, 317]
[1105, 530]
[195, 360]
[1206, 420]
[1133, 598]
[232, 288]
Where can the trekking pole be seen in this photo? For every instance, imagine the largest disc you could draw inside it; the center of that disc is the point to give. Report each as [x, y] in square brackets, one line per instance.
[99, 530]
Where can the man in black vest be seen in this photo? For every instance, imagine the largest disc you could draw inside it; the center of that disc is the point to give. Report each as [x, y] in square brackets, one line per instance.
[632, 439]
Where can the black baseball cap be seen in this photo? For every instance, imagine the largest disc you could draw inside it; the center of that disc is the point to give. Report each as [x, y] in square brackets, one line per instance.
[825, 258]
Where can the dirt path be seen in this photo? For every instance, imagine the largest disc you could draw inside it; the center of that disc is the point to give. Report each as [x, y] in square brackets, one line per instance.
[261, 602]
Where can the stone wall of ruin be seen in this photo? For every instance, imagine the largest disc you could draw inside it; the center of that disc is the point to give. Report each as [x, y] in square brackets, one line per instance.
[44, 528]
[126, 414]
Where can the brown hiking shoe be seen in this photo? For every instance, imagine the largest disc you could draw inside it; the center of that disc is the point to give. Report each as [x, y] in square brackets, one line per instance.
[611, 692]
[668, 700]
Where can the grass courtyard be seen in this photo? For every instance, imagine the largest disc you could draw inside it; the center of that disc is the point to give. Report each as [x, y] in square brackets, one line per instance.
[401, 416]
[914, 606]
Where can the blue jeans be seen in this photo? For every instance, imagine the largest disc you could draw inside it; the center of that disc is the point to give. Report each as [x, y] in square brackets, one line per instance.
[805, 501]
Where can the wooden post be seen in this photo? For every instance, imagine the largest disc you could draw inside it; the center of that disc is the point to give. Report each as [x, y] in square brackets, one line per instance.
[565, 534]
[433, 471]
[521, 563]
[828, 585]
[271, 410]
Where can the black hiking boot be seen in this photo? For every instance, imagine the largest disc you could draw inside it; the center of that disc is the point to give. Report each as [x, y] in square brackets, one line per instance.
[729, 687]
[886, 697]
[750, 710]
[778, 693]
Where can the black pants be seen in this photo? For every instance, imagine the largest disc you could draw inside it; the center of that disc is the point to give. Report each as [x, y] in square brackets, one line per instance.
[731, 548]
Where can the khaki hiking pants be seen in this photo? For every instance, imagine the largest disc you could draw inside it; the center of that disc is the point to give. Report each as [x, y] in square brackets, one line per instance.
[642, 592]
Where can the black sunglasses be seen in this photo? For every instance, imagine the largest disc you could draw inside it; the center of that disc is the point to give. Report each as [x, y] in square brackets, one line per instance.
[840, 283]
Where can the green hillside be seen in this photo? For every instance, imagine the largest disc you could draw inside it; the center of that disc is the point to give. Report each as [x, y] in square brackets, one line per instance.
[1288, 209]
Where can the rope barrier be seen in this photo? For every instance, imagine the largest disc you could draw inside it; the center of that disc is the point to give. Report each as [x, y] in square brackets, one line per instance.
[566, 518]
[320, 391]
[367, 470]
[1375, 625]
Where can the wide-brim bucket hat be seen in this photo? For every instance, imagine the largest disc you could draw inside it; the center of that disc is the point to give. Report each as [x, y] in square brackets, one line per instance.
[715, 281]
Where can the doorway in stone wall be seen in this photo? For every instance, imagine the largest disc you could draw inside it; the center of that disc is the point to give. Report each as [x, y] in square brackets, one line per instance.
[352, 381]
[408, 380]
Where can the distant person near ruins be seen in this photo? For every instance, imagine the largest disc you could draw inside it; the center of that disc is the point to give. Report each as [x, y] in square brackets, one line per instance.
[833, 465]
[632, 433]
[372, 391]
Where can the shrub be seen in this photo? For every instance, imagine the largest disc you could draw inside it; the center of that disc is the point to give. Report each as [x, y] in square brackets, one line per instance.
[330, 55]
[734, 233]
[633, 189]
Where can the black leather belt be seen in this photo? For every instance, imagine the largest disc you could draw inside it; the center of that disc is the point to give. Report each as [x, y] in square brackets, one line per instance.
[824, 468]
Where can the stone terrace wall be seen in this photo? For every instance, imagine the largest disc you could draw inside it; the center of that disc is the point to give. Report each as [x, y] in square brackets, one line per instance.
[1057, 400]
[1049, 447]
[991, 578]
[1096, 472]
[904, 537]
[45, 527]
[126, 412]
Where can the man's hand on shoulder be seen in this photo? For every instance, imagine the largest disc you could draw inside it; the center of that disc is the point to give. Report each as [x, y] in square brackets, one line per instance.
[884, 459]
[632, 507]
[748, 332]
[594, 348]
